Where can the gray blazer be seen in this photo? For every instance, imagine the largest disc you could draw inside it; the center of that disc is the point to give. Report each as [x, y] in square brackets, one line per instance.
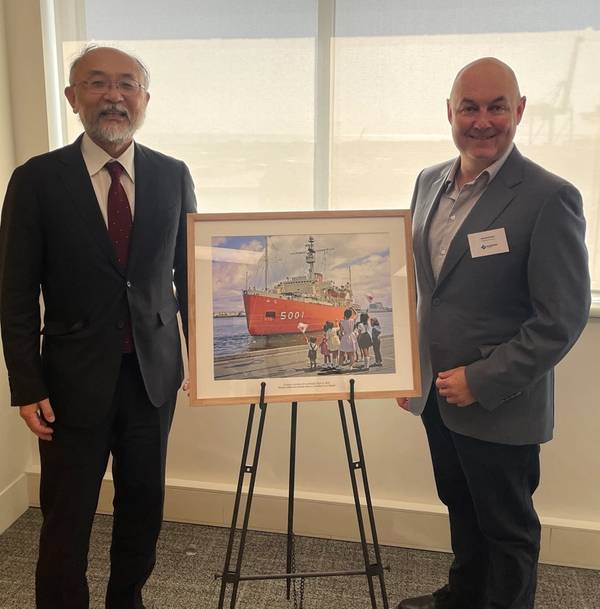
[509, 317]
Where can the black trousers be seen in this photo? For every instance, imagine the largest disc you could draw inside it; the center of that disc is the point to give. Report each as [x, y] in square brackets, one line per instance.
[72, 467]
[494, 528]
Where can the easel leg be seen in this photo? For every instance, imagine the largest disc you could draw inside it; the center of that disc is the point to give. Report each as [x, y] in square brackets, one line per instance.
[238, 566]
[361, 456]
[290, 530]
[236, 506]
[375, 569]
[353, 466]
[228, 575]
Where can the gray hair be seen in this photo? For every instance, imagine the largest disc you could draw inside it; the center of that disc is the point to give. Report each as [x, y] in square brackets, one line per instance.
[88, 48]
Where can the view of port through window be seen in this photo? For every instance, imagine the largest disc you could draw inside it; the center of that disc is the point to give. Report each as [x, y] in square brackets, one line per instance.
[272, 102]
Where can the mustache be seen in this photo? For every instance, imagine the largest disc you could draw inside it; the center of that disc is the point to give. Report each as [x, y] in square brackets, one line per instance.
[488, 132]
[113, 109]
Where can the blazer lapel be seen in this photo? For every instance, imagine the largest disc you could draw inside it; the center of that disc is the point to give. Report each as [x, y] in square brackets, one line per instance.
[491, 204]
[434, 192]
[147, 187]
[76, 179]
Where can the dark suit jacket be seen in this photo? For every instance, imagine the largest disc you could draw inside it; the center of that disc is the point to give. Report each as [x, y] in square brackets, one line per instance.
[53, 236]
[509, 317]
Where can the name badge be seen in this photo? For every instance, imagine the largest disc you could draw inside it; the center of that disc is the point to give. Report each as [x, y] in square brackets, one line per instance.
[488, 243]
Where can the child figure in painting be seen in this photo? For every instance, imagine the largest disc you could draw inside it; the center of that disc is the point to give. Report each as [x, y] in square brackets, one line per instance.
[312, 351]
[324, 347]
[365, 342]
[333, 341]
[348, 341]
[376, 336]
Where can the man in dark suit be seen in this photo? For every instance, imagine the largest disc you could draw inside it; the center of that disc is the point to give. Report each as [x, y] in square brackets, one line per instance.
[503, 294]
[100, 227]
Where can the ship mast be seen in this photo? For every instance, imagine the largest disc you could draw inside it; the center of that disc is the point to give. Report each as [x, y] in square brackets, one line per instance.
[310, 254]
[310, 257]
[266, 262]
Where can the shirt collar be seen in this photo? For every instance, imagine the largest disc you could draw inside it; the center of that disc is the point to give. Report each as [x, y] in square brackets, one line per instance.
[95, 158]
[486, 176]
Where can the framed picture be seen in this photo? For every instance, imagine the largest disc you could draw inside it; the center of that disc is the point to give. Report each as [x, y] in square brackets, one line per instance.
[304, 302]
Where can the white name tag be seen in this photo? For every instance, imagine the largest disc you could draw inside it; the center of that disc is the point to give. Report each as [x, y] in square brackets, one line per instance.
[488, 243]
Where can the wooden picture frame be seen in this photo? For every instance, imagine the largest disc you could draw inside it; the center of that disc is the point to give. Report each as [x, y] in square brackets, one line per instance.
[266, 290]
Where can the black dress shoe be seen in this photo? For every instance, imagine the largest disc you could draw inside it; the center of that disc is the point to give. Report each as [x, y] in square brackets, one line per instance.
[440, 599]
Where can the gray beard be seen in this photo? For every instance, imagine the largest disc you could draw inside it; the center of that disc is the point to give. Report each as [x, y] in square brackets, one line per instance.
[111, 135]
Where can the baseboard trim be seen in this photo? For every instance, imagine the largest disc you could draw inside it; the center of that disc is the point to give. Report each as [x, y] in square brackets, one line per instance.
[14, 500]
[565, 542]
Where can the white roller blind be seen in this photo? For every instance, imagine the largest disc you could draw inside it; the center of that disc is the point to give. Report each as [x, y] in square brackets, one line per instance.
[234, 94]
[394, 66]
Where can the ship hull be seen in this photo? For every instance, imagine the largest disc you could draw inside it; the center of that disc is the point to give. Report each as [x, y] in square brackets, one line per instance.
[267, 315]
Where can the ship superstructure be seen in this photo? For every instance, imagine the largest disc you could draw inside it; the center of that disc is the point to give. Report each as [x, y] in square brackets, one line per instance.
[300, 303]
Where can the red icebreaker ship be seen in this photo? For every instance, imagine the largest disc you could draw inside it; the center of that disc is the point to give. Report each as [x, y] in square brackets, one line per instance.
[297, 304]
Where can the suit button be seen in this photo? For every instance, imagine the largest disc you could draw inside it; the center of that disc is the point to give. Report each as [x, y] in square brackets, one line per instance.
[436, 302]
[128, 284]
[120, 324]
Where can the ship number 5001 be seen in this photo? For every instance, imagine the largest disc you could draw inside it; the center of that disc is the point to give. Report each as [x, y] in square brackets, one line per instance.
[291, 314]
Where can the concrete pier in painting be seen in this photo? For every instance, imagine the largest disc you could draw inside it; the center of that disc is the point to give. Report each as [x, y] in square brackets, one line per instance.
[291, 361]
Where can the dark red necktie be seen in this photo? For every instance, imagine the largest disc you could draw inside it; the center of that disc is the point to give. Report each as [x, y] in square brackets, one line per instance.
[119, 230]
[119, 213]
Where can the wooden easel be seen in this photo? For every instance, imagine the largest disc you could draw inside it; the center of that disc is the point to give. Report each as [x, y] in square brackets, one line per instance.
[372, 570]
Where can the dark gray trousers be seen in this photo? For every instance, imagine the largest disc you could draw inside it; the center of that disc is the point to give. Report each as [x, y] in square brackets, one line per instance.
[494, 528]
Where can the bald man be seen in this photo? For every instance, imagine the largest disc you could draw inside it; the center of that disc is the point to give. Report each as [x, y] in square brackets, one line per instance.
[99, 227]
[503, 294]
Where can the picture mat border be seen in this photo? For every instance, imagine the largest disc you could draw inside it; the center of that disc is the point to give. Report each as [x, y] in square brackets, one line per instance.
[203, 359]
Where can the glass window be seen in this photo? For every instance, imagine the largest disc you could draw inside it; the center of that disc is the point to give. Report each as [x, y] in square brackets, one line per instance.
[234, 94]
[394, 66]
[232, 91]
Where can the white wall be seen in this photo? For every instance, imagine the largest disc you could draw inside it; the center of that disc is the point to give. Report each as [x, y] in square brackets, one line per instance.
[15, 447]
[205, 444]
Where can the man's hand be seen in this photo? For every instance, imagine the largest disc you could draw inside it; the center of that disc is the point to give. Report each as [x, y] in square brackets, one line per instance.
[37, 416]
[452, 384]
[186, 386]
[403, 403]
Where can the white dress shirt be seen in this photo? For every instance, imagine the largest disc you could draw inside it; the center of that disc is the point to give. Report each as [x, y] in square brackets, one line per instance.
[95, 160]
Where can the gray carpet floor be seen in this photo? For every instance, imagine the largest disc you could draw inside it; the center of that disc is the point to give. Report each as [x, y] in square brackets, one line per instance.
[190, 555]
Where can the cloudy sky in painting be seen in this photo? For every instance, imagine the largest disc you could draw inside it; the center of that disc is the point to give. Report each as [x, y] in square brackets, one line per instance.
[367, 255]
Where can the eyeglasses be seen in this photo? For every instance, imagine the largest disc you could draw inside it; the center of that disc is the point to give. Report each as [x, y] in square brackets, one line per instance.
[99, 86]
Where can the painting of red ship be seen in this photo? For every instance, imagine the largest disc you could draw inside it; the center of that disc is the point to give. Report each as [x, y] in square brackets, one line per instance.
[275, 295]
[302, 303]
